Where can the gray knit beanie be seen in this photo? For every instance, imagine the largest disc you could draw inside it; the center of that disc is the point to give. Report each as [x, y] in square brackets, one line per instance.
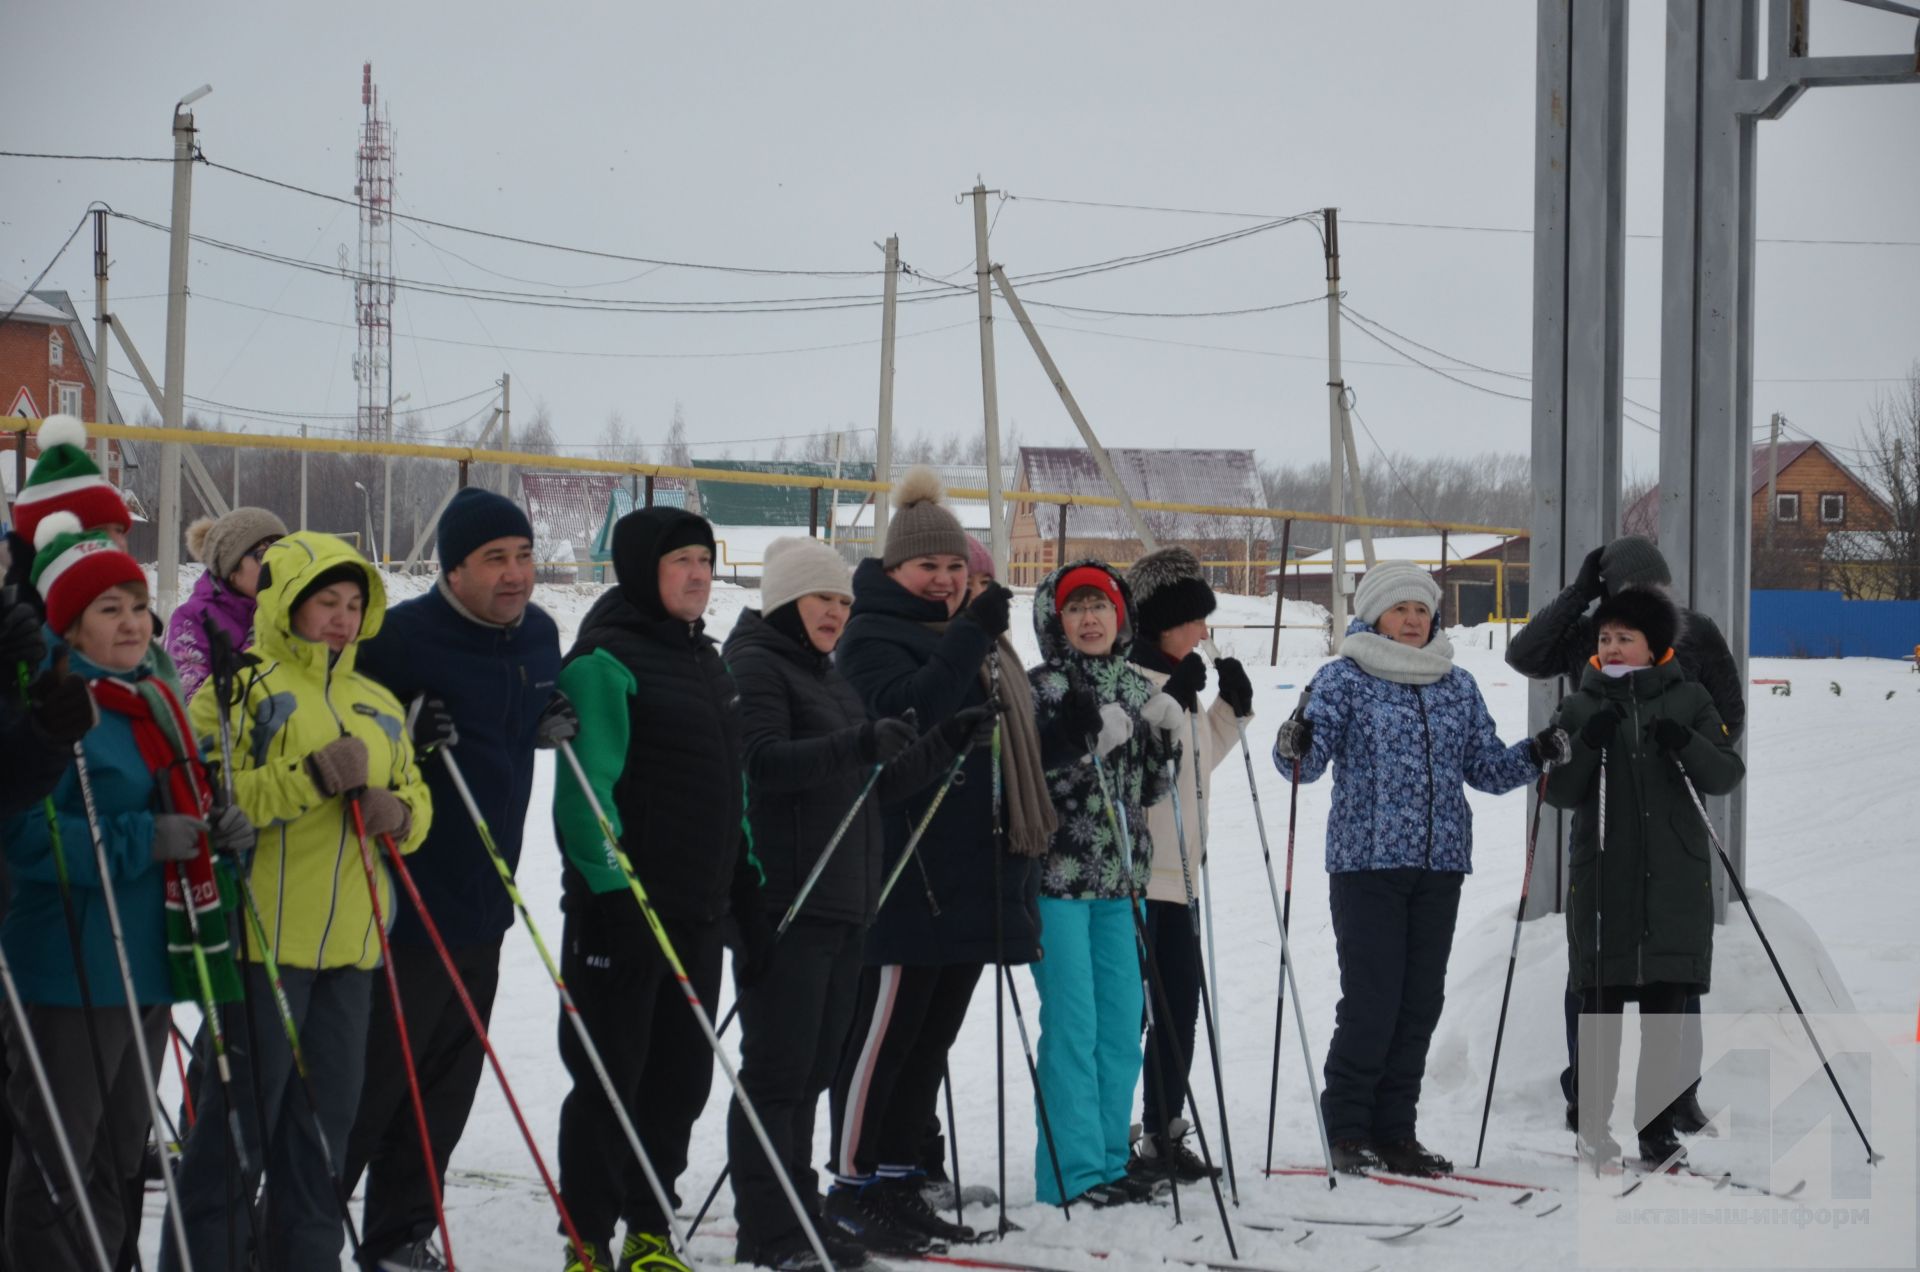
[220, 543]
[1390, 582]
[921, 524]
[1632, 560]
[797, 566]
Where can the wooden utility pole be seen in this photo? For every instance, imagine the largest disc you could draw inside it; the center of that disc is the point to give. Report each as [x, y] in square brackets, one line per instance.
[883, 435]
[989, 392]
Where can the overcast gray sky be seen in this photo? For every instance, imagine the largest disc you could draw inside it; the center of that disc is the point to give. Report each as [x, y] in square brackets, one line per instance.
[795, 136]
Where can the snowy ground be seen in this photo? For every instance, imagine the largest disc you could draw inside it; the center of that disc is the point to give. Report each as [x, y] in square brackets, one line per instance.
[1833, 806]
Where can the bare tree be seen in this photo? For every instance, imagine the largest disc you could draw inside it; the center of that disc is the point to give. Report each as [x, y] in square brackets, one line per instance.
[615, 442]
[1891, 449]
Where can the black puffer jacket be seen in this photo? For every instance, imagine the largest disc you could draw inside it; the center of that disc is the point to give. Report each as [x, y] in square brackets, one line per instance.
[801, 724]
[896, 661]
[660, 740]
[1559, 639]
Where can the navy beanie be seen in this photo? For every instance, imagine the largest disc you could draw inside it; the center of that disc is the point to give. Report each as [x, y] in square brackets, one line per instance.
[474, 517]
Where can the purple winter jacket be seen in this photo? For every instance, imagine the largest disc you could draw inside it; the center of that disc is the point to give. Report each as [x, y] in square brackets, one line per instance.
[186, 641]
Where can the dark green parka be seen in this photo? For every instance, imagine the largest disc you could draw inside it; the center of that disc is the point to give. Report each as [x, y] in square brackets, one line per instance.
[1655, 878]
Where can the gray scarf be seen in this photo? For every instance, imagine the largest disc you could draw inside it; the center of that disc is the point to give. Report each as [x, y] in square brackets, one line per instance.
[1401, 664]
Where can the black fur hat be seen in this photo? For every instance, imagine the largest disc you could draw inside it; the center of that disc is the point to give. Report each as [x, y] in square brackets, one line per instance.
[1168, 589]
[1647, 610]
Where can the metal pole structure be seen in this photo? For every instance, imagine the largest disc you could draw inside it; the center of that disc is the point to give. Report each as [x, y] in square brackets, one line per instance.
[1773, 478]
[883, 438]
[1353, 472]
[100, 390]
[1280, 588]
[172, 411]
[989, 390]
[506, 430]
[1336, 448]
[303, 481]
[1099, 452]
[833, 496]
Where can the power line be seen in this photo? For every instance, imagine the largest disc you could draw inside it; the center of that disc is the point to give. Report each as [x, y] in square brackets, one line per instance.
[270, 413]
[41, 276]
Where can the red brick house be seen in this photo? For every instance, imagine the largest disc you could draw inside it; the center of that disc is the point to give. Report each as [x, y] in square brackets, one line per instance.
[47, 368]
[1816, 497]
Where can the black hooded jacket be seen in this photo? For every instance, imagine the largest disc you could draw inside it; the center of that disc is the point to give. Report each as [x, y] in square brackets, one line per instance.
[660, 741]
[801, 723]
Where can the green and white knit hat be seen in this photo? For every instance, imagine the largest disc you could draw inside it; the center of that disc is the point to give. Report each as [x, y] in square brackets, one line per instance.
[72, 565]
[65, 479]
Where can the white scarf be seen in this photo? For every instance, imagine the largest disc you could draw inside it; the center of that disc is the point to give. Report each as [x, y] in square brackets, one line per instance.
[1401, 664]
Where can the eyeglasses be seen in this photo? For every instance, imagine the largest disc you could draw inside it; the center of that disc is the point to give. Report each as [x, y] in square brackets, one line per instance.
[1100, 606]
[259, 550]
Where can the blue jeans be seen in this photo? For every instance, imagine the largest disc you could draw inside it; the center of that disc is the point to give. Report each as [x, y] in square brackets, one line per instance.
[303, 1226]
[1090, 1003]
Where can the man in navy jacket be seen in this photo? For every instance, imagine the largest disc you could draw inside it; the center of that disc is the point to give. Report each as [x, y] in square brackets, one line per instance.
[479, 662]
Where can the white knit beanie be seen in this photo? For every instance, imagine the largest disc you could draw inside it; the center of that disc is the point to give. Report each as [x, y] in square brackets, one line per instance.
[798, 566]
[1390, 582]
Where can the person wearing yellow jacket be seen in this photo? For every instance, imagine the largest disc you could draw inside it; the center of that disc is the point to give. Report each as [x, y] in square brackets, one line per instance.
[309, 735]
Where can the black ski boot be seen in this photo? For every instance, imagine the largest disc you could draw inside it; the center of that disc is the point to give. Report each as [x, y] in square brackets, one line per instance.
[902, 1202]
[1411, 1157]
[1688, 1117]
[1355, 1157]
[1159, 1156]
[858, 1212]
[1660, 1148]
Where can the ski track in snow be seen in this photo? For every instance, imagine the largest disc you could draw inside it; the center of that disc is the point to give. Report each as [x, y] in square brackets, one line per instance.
[1831, 809]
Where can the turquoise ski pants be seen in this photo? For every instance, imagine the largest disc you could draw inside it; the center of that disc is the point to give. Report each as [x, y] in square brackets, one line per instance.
[1090, 1003]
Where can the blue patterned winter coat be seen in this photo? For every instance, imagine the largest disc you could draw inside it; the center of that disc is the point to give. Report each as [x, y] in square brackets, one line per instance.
[1401, 753]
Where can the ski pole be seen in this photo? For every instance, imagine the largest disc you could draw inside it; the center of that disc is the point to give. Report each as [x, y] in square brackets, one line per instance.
[1733, 875]
[953, 1144]
[568, 1008]
[926, 819]
[1281, 916]
[1513, 959]
[1210, 969]
[140, 1051]
[479, 1026]
[625, 863]
[400, 1026]
[1599, 986]
[1117, 820]
[1206, 1004]
[58, 1127]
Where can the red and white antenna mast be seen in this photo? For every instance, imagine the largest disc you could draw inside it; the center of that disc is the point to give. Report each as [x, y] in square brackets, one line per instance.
[373, 283]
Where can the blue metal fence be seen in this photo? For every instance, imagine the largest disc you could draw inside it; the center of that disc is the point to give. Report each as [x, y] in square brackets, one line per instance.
[1827, 625]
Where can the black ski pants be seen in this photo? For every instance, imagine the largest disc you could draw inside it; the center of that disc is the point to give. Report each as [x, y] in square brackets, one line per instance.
[793, 1021]
[1692, 1044]
[1170, 1042]
[385, 1142]
[1663, 1066]
[1393, 931]
[888, 1083]
[655, 1053]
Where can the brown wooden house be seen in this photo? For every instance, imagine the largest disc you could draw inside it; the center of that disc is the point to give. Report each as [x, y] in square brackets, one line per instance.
[1816, 497]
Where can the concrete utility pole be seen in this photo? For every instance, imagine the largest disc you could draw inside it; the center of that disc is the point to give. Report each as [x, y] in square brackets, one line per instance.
[1773, 478]
[883, 438]
[172, 410]
[506, 431]
[1099, 452]
[100, 333]
[989, 392]
[303, 482]
[1336, 427]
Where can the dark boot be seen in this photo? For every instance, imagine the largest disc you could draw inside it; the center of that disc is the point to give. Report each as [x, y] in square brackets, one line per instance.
[1659, 1146]
[1688, 1117]
[903, 1203]
[861, 1214]
[1411, 1157]
[1162, 1155]
[1355, 1157]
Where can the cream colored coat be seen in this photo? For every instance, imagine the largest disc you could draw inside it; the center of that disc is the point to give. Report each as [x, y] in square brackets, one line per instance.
[1217, 738]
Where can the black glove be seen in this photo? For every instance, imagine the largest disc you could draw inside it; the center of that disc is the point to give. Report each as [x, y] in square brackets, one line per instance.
[1551, 746]
[990, 610]
[1295, 739]
[558, 723]
[971, 727]
[1080, 714]
[430, 724]
[20, 642]
[60, 704]
[223, 660]
[757, 943]
[1598, 732]
[1671, 735]
[1587, 582]
[1186, 682]
[882, 740]
[231, 832]
[1234, 686]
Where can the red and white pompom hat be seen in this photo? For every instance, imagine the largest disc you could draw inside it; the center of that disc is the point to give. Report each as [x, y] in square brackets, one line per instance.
[65, 479]
[73, 565]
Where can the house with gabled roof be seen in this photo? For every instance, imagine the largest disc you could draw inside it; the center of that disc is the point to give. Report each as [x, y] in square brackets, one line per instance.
[1210, 477]
[1816, 496]
[47, 367]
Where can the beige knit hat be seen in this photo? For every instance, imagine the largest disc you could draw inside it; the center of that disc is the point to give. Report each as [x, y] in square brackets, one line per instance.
[220, 543]
[921, 524]
[797, 566]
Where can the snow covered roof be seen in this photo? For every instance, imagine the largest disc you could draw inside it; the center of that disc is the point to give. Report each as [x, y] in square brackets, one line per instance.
[27, 307]
[1223, 478]
[567, 506]
[1422, 548]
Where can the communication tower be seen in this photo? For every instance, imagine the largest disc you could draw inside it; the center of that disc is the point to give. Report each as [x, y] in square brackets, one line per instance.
[373, 282]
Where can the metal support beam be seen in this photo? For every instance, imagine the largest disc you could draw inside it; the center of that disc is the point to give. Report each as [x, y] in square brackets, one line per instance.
[1579, 243]
[883, 434]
